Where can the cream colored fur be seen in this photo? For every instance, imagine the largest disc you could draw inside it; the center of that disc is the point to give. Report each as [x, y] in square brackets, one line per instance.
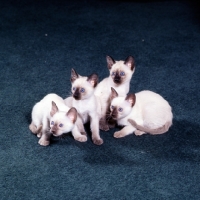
[88, 106]
[44, 113]
[147, 113]
[103, 89]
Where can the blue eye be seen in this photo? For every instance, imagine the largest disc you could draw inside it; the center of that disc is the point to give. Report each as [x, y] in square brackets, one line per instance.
[122, 74]
[52, 123]
[112, 107]
[73, 88]
[60, 125]
[82, 90]
[113, 73]
[120, 109]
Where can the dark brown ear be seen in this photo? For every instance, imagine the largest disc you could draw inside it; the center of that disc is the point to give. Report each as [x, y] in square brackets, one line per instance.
[130, 62]
[72, 114]
[74, 75]
[93, 79]
[110, 62]
[113, 94]
[131, 98]
[54, 109]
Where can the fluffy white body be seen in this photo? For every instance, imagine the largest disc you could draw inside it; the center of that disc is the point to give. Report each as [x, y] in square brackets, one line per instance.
[146, 112]
[120, 76]
[54, 119]
[86, 103]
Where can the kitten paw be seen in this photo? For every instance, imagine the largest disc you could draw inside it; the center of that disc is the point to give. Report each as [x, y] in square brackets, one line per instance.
[111, 125]
[98, 141]
[118, 134]
[33, 128]
[39, 135]
[138, 132]
[84, 133]
[82, 138]
[103, 126]
[43, 142]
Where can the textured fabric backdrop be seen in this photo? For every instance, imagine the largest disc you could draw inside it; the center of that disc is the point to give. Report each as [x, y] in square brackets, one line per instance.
[40, 41]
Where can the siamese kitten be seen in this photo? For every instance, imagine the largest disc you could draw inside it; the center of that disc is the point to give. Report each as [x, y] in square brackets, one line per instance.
[120, 75]
[51, 116]
[86, 103]
[143, 112]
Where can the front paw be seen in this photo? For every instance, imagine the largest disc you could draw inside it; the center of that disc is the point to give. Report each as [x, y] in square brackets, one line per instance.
[98, 141]
[103, 126]
[82, 138]
[118, 134]
[43, 142]
[84, 133]
[39, 135]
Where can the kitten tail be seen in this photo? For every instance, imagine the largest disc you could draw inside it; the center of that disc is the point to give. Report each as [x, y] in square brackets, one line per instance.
[159, 130]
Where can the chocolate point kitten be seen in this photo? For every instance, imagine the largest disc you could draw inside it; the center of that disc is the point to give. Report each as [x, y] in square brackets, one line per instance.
[143, 112]
[86, 103]
[51, 116]
[120, 75]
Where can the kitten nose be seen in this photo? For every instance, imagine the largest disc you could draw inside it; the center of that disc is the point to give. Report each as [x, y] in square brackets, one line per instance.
[117, 79]
[114, 113]
[76, 94]
[53, 130]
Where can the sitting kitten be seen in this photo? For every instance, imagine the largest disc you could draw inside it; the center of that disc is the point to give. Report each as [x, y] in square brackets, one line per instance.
[84, 100]
[143, 112]
[120, 75]
[51, 116]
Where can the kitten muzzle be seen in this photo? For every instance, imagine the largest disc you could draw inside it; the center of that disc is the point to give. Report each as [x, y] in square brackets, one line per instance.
[54, 130]
[117, 79]
[77, 94]
[113, 114]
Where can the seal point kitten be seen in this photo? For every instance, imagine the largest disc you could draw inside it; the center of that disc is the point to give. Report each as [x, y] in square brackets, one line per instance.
[86, 103]
[120, 76]
[143, 112]
[51, 116]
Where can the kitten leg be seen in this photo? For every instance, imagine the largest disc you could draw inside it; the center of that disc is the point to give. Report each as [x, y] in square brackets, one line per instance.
[35, 130]
[94, 125]
[45, 137]
[127, 130]
[80, 126]
[77, 135]
[103, 125]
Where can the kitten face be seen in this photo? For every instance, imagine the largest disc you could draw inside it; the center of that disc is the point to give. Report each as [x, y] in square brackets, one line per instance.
[121, 71]
[82, 87]
[62, 122]
[120, 106]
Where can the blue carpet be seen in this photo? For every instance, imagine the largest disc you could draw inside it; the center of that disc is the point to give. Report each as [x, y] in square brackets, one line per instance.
[40, 41]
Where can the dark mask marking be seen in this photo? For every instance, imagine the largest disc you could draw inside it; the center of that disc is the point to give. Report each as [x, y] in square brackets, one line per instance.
[77, 94]
[114, 113]
[54, 129]
[117, 78]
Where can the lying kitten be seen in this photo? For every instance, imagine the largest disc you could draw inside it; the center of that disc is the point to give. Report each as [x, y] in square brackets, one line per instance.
[143, 112]
[120, 75]
[51, 116]
[84, 100]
